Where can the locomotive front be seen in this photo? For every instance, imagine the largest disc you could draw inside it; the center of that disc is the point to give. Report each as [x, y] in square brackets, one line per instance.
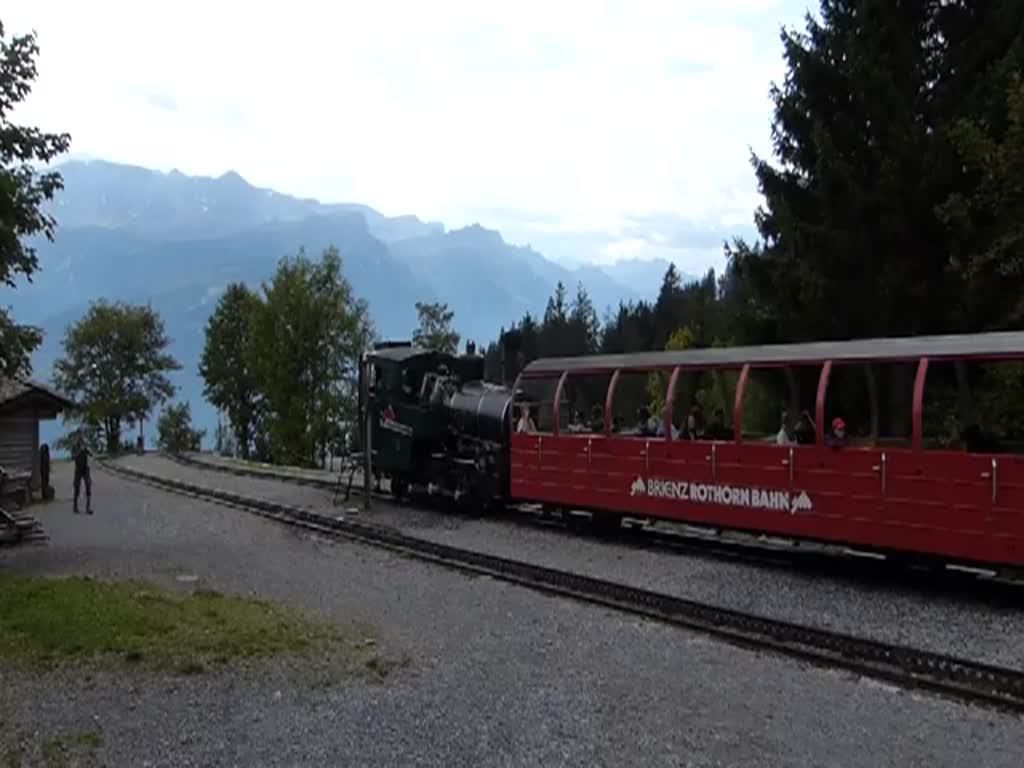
[437, 427]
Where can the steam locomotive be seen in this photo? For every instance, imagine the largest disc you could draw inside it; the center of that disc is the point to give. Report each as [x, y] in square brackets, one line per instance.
[437, 427]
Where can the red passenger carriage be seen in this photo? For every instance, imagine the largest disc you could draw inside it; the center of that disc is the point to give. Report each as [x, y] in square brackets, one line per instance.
[903, 496]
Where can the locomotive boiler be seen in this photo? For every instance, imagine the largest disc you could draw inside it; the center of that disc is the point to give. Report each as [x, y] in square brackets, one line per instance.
[436, 427]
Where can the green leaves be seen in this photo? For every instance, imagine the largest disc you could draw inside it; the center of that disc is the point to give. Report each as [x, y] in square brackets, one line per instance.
[174, 429]
[435, 329]
[896, 203]
[284, 366]
[22, 192]
[225, 366]
[115, 366]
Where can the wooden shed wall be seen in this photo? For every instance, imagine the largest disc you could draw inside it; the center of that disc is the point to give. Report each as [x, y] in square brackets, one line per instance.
[19, 445]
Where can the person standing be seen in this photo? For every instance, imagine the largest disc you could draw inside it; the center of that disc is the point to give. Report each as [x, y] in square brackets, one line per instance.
[82, 474]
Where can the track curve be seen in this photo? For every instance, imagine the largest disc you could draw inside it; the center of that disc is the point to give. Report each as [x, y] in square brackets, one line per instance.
[807, 557]
[946, 675]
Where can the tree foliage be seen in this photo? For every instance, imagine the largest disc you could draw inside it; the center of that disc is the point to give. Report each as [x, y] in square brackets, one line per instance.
[22, 192]
[226, 367]
[115, 365]
[894, 204]
[175, 432]
[435, 328]
[308, 335]
[86, 434]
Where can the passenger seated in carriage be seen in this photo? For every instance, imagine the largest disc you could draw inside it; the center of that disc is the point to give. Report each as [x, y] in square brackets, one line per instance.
[644, 427]
[576, 424]
[525, 424]
[659, 430]
[837, 437]
[786, 434]
[806, 430]
[693, 429]
[717, 430]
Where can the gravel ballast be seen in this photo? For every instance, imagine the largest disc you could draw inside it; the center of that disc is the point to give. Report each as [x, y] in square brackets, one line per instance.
[936, 621]
[494, 674]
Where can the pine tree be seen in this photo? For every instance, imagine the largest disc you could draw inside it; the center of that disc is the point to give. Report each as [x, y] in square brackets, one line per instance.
[584, 327]
[877, 163]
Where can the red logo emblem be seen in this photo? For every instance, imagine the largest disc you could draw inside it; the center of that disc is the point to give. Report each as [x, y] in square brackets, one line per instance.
[388, 414]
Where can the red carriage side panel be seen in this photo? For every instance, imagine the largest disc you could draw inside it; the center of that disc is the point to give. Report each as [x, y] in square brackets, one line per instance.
[957, 505]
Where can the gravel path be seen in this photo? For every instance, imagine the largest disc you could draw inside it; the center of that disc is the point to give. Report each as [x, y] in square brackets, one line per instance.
[894, 613]
[497, 675]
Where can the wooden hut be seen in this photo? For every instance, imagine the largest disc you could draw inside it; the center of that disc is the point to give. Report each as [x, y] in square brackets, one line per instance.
[22, 404]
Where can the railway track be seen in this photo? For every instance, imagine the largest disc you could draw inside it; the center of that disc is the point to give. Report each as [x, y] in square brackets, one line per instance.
[946, 675]
[832, 561]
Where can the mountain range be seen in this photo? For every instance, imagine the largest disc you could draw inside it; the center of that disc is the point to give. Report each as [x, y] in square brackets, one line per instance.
[176, 241]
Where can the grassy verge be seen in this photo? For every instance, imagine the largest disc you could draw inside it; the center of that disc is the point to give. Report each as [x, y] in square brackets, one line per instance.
[53, 621]
[57, 751]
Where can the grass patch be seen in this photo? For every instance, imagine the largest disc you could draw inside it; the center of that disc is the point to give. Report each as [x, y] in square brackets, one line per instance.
[53, 621]
[58, 751]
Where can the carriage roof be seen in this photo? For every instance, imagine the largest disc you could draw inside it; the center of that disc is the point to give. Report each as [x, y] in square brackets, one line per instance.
[1006, 345]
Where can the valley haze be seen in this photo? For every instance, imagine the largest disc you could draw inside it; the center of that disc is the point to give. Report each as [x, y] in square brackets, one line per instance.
[175, 242]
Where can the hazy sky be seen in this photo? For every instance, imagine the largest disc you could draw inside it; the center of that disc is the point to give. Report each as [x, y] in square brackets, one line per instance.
[594, 130]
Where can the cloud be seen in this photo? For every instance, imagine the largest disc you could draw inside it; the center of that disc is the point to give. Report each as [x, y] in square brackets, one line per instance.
[160, 100]
[587, 114]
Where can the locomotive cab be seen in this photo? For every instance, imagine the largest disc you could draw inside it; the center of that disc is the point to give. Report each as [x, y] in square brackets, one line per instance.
[404, 427]
[436, 427]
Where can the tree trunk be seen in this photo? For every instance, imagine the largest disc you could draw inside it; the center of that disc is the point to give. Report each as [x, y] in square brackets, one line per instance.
[869, 372]
[900, 398]
[242, 438]
[966, 411]
[723, 392]
[113, 428]
[794, 392]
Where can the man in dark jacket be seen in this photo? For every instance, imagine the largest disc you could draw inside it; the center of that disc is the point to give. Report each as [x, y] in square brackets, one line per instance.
[81, 457]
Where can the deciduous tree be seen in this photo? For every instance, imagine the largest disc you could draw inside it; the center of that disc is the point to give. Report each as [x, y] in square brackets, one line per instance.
[22, 192]
[308, 336]
[115, 365]
[225, 364]
[175, 432]
[435, 328]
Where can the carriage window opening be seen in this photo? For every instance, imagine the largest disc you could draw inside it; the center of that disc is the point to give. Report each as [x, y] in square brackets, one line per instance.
[848, 409]
[582, 408]
[974, 406]
[778, 405]
[538, 395]
[702, 404]
[635, 412]
[871, 403]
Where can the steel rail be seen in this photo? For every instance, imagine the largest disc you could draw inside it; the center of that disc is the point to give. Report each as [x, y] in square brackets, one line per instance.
[907, 667]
